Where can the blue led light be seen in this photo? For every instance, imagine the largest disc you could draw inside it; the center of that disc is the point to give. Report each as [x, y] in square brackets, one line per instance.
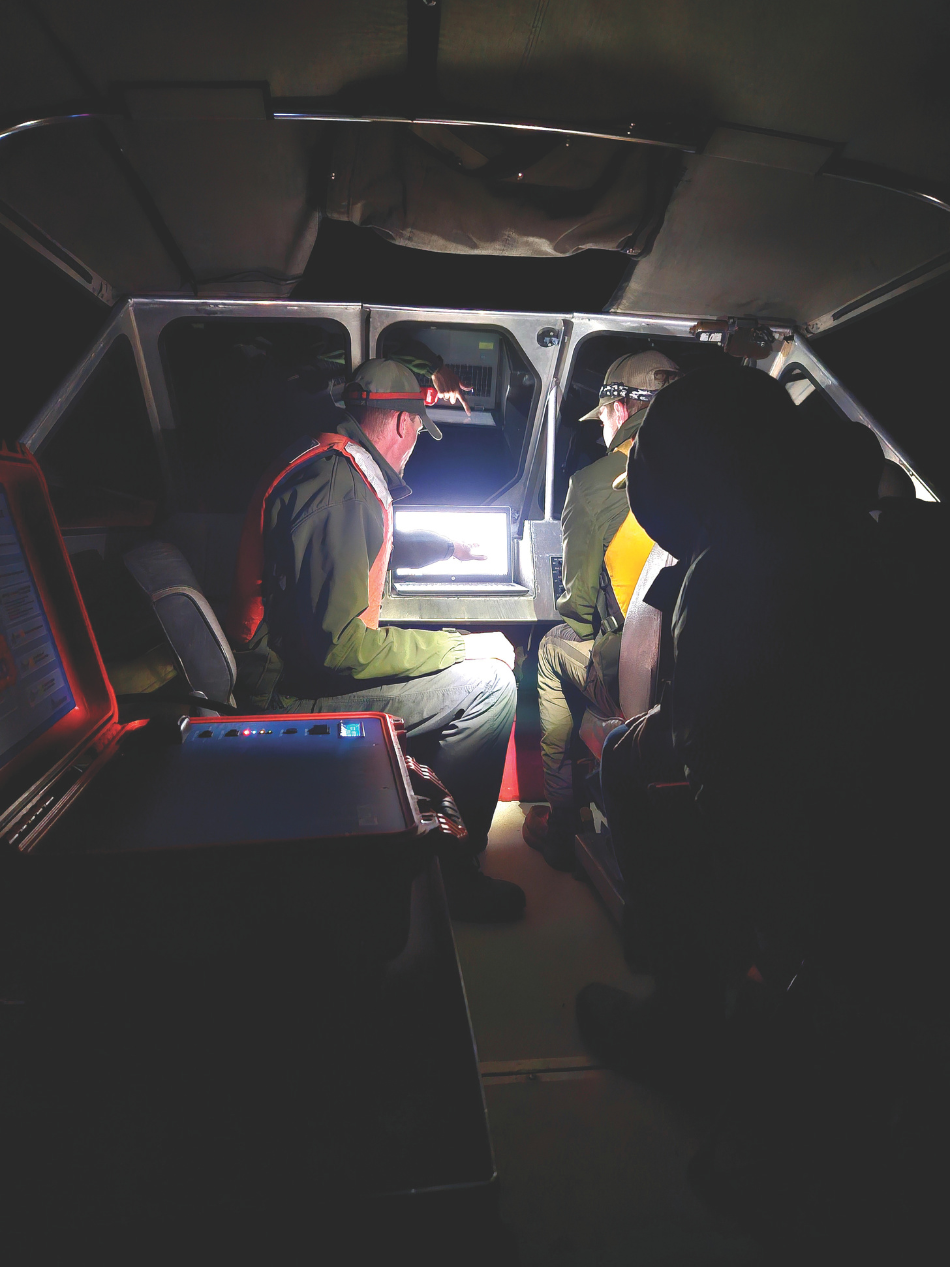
[351, 729]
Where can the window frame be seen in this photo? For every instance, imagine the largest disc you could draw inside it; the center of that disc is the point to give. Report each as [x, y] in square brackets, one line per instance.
[489, 327]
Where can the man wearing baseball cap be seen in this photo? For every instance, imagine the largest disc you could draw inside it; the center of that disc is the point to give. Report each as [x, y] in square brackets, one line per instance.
[304, 616]
[604, 549]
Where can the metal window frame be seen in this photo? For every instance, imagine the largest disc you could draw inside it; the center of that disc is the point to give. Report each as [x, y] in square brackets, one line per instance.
[797, 351]
[523, 328]
[143, 320]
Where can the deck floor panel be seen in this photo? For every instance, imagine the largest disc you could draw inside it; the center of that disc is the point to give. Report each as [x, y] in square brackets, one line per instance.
[592, 1167]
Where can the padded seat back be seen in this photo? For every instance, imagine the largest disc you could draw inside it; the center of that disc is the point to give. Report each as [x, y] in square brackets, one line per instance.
[640, 640]
[639, 657]
[186, 617]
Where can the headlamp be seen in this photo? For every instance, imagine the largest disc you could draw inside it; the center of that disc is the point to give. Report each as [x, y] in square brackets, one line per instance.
[620, 391]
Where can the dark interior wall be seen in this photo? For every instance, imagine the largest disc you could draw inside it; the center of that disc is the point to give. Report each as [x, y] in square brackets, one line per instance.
[48, 322]
[895, 361]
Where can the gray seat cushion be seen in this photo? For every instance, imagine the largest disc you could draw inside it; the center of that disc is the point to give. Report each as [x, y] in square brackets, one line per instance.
[189, 624]
[640, 642]
[639, 657]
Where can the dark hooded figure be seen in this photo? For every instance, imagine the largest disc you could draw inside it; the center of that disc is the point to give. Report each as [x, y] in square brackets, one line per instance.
[803, 838]
[771, 719]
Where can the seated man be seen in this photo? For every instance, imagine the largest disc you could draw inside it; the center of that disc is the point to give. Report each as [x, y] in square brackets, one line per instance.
[604, 550]
[304, 617]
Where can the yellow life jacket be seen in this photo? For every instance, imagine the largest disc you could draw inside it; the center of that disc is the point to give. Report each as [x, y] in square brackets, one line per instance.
[624, 560]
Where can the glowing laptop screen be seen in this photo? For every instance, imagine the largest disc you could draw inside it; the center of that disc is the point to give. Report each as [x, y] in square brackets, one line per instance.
[486, 531]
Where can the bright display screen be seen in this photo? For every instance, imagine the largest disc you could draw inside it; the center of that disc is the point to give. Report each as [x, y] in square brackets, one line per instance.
[487, 532]
[34, 691]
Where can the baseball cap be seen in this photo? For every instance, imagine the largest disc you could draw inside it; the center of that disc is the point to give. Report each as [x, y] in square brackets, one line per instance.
[636, 376]
[379, 384]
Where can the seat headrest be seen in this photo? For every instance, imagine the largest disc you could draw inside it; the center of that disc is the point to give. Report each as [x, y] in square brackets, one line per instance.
[186, 617]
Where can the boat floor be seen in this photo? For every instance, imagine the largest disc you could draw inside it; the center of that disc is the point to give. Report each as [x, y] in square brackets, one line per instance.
[592, 1167]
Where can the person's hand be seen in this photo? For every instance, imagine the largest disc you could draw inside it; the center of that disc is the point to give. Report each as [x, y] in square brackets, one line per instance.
[489, 646]
[467, 553]
[446, 383]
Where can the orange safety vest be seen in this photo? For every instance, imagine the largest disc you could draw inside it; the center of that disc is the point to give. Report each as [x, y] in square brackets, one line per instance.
[246, 609]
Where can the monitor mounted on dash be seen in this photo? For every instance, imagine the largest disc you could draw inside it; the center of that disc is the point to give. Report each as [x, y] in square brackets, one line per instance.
[474, 356]
[485, 529]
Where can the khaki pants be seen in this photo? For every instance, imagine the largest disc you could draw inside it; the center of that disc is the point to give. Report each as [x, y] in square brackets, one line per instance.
[563, 659]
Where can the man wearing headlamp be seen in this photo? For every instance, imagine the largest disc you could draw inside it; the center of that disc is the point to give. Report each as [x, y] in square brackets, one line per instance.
[604, 549]
[304, 616]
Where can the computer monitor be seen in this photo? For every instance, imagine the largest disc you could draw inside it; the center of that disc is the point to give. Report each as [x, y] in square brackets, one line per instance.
[489, 528]
[475, 357]
[34, 689]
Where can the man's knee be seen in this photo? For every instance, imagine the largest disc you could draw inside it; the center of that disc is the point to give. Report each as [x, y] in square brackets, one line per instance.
[551, 648]
[500, 686]
[489, 684]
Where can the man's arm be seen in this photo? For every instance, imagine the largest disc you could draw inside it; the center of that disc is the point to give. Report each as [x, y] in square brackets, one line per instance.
[332, 547]
[419, 549]
[583, 559]
[425, 364]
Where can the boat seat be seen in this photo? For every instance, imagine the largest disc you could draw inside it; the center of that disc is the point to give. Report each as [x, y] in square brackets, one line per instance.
[209, 542]
[187, 619]
[594, 729]
[639, 657]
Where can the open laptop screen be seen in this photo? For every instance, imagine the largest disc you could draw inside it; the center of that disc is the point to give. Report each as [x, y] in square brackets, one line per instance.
[34, 691]
[488, 529]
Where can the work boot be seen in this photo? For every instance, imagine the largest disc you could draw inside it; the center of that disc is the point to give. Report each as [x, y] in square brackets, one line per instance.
[476, 898]
[551, 832]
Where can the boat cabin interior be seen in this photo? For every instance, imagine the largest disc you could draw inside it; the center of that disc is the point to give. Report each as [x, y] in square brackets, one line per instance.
[282, 1049]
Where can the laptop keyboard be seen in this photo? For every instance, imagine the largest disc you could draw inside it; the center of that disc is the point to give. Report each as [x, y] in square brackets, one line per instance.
[458, 587]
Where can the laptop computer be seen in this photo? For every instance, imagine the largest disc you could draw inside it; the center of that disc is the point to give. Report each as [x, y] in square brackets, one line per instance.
[487, 528]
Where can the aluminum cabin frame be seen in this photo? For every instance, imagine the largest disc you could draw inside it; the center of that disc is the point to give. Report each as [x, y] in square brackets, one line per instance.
[536, 535]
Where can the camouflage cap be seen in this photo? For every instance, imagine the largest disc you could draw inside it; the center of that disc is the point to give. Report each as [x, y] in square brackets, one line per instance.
[379, 384]
[636, 376]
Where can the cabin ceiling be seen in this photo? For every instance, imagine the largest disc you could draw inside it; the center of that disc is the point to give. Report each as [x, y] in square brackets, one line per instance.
[187, 184]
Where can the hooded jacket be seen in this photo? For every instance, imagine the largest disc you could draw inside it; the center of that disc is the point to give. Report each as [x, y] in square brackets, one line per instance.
[773, 629]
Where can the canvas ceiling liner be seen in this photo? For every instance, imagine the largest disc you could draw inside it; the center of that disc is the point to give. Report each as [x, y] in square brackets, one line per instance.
[232, 212]
[474, 190]
[781, 244]
[199, 188]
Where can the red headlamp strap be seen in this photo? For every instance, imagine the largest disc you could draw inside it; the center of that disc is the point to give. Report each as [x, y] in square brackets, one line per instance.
[355, 394]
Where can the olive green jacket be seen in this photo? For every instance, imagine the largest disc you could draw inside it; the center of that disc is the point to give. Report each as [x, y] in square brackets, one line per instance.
[593, 512]
[323, 529]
